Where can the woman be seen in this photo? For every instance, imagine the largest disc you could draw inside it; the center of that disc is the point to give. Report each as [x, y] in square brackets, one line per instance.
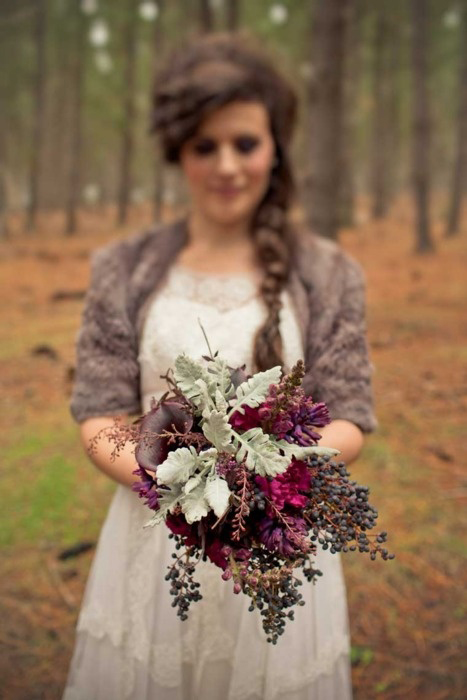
[265, 295]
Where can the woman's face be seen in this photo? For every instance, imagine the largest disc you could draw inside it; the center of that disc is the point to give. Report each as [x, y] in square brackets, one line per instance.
[228, 163]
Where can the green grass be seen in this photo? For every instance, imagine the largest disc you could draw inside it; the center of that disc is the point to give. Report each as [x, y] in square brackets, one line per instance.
[53, 494]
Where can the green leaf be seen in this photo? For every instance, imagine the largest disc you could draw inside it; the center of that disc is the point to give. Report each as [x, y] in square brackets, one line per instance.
[255, 389]
[178, 467]
[194, 505]
[218, 431]
[217, 494]
[262, 454]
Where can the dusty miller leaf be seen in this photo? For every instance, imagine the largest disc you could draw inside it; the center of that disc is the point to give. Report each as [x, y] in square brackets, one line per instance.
[178, 467]
[299, 452]
[217, 494]
[187, 374]
[167, 502]
[194, 505]
[254, 390]
[262, 454]
[221, 374]
[218, 430]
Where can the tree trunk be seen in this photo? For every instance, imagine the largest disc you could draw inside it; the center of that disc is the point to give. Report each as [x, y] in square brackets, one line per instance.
[331, 19]
[381, 125]
[206, 17]
[40, 31]
[460, 167]
[159, 172]
[232, 15]
[127, 145]
[76, 121]
[421, 125]
[352, 81]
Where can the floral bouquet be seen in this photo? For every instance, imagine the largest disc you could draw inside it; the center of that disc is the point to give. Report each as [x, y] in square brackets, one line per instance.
[231, 464]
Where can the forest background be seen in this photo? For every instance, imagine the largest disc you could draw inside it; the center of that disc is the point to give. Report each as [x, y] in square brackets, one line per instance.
[381, 162]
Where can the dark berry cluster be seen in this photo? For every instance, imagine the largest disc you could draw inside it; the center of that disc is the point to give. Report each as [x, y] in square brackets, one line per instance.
[339, 512]
[182, 585]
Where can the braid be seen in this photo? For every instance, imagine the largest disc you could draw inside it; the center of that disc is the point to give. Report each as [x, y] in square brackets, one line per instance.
[271, 238]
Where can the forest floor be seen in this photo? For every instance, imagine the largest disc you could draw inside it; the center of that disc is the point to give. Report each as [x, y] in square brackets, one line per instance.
[407, 616]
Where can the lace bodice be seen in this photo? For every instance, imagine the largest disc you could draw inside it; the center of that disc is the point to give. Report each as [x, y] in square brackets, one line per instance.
[230, 311]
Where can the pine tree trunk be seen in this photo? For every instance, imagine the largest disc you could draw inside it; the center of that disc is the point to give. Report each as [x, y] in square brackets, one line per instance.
[159, 171]
[352, 82]
[127, 145]
[206, 18]
[421, 125]
[40, 31]
[331, 20]
[460, 166]
[232, 12]
[379, 165]
[76, 122]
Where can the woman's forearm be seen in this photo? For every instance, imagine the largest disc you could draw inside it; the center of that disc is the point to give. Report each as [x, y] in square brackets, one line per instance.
[343, 436]
[119, 469]
[340, 434]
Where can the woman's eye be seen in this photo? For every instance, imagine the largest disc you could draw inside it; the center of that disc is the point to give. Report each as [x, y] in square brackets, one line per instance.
[246, 144]
[204, 147]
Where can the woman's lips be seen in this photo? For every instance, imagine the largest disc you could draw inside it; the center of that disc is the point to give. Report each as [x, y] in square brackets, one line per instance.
[226, 191]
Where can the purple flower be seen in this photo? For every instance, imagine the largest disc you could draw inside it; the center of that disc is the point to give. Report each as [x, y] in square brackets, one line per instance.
[284, 540]
[146, 488]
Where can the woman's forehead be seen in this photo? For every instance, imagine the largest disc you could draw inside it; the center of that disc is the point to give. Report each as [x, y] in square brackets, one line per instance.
[238, 116]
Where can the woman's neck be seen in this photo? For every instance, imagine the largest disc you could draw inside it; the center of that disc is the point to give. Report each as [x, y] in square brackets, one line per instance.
[218, 248]
[205, 233]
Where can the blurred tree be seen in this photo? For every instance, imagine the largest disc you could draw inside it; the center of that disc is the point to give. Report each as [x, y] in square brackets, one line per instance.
[232, 14]
[159, 52]
[40, 36]
[421, 164]
[459, 179]
[76, 82]
[329, 35]
[129, 111]
[352, 85]
[381, 126]
[206, 16]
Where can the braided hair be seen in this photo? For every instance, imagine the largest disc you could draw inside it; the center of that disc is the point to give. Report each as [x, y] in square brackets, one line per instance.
[209, 73]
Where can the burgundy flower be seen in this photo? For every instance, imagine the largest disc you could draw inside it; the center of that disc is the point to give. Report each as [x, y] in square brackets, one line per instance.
[245, 421]
[165, 416]
[285, 488]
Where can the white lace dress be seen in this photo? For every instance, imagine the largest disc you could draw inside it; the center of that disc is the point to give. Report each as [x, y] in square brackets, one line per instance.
[130, 643]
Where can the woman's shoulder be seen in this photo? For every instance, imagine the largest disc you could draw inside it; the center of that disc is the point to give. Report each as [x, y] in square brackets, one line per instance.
[128, 252]
[121, 260]
[320, 259]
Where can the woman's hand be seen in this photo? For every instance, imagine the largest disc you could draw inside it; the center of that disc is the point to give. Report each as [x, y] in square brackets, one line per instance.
[122, 467]
[344, 436]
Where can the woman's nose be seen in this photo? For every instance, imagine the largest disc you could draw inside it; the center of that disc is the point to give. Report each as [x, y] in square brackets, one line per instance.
[227, 162]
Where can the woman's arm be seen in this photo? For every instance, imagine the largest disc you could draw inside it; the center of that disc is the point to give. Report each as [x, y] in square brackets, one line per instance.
[119, 469]
[344, 436]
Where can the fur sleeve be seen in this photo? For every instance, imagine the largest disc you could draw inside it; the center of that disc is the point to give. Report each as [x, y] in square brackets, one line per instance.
[339, 368]
[107, 370]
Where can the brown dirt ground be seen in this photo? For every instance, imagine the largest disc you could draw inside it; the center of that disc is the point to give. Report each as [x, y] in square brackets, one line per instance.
[407, 616]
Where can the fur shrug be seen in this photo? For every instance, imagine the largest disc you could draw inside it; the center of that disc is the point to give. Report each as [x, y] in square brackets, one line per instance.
[326, 285]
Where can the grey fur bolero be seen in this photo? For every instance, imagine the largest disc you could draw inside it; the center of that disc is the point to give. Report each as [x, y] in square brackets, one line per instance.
[327, 288]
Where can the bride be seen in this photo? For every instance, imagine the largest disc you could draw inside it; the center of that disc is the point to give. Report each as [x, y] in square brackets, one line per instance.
[266, 294]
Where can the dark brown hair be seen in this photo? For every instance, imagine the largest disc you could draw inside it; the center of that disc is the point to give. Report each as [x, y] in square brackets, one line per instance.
[204, 75]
